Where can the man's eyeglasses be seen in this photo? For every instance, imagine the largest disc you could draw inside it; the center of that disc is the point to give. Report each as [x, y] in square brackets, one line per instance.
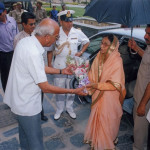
[56, 36]
[31, 24]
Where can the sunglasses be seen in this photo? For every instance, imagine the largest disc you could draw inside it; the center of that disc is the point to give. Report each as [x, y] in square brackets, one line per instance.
[31, 24]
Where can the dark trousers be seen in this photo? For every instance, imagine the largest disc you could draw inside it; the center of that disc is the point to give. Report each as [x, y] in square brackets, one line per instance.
[5, 63]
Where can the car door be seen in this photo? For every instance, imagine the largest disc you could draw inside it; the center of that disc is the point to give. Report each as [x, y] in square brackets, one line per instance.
[131, 63]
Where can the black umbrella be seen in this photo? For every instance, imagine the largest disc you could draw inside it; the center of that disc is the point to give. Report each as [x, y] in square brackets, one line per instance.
[125, 12]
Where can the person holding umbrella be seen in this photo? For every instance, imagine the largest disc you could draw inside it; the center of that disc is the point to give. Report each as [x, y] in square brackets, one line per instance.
[141, 94]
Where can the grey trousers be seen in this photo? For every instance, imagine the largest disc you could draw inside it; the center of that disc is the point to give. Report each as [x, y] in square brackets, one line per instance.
[140, 129]
[30, 132]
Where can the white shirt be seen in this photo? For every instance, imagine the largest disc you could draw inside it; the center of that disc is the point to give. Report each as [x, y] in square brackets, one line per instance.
[20, 36]
[75, 38]
[23, 94]
[143, 76]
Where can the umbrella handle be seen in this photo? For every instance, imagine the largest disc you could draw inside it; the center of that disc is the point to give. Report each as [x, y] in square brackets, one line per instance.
[133, 53]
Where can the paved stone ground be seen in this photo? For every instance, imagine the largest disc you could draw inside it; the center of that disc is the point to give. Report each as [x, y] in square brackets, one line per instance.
[64, 134]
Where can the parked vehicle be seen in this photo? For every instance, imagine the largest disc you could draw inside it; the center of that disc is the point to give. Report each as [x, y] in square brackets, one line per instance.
[131, 61]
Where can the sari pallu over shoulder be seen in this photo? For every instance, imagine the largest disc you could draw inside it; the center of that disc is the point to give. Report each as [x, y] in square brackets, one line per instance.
[110, 70]
[106, 110]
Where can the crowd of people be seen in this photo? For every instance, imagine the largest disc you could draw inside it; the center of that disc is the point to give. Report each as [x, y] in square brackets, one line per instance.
[24, 36]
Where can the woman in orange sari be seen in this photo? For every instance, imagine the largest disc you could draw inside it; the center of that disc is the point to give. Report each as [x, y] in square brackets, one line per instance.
[108, 91]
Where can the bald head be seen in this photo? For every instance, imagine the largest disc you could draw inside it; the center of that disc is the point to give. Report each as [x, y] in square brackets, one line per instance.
[47, 26]
[49, 22]
[47, 32]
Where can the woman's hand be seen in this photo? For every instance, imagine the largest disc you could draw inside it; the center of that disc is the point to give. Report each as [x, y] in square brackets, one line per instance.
[91, 85]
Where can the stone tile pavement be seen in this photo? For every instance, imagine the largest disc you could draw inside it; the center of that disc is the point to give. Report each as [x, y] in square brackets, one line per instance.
[64, 134]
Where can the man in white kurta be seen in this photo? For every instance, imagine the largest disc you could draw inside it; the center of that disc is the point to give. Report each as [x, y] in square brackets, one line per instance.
[28, 23]
[26, 80]
[23, 94]
[67, 44]
[26, 69]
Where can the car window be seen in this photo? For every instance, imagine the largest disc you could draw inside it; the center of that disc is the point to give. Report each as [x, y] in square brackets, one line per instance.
[94, 44]
[96, 41]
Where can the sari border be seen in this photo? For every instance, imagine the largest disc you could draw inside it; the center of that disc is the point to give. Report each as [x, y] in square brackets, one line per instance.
[100, 94]
[118, 88]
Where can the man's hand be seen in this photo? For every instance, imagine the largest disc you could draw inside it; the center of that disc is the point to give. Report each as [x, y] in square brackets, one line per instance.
[132, 44]
[141, 110]
[80, 91]
[78, 54]
[67, 70]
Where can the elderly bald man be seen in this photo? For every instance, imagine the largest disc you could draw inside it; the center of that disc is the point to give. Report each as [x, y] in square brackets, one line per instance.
[26, 80]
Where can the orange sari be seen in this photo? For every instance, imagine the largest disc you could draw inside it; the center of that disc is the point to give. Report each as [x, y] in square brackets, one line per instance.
[107, 93]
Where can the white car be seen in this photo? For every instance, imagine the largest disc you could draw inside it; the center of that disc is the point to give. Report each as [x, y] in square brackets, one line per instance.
[131, 61]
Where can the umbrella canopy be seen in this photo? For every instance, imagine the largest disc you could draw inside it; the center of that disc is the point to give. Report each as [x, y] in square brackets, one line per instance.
[127, 12]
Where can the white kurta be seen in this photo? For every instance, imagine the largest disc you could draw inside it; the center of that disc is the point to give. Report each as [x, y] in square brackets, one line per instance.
[23, 94]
